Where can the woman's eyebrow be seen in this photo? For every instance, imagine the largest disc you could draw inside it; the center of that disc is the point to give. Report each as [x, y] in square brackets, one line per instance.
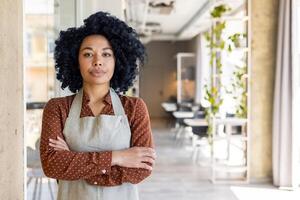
[86, 48]
[105, 48]
[90, 48]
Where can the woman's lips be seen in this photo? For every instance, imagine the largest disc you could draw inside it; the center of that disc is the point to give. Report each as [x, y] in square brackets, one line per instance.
[97, 73]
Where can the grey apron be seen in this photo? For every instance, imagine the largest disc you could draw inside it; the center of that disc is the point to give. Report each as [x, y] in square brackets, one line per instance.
[102, 133]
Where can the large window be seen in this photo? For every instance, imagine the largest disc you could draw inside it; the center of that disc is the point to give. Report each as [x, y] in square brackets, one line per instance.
[39, 81]
[38, 50]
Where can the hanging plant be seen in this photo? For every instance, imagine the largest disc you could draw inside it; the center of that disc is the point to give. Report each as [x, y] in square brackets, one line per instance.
[239, 82]
[236, 41]
[216, 43]
[240, 91]
[218, 11]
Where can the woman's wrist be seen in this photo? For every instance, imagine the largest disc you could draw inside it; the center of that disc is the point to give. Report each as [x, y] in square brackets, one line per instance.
[115, 160]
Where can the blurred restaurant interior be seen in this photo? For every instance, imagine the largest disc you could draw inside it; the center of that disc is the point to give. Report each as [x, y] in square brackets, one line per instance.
[221, 83]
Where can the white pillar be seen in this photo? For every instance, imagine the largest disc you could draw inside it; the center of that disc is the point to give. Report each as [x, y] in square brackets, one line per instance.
[12, 100]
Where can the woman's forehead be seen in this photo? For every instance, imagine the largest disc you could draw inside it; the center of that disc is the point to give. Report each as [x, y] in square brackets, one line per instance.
[95, 41]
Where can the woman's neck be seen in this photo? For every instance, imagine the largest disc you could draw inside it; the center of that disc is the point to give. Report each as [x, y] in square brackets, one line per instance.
[96, 93]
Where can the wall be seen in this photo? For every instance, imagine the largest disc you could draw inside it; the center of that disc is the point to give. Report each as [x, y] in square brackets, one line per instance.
[11, 101]
[264, 15]
[158, 76]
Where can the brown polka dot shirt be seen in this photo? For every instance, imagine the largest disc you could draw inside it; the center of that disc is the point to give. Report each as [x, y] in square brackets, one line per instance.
[94, 167]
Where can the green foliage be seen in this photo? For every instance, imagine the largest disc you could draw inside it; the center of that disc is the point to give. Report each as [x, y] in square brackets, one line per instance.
[218, 11]
[215, 43]
[240, 83]
[235, 39]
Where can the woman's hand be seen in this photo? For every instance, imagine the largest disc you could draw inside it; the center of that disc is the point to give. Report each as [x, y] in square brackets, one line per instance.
[134, 157]
[59, 144]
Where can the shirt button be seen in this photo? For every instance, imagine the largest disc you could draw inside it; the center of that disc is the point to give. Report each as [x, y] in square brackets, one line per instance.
[95, 182]
[103, 171]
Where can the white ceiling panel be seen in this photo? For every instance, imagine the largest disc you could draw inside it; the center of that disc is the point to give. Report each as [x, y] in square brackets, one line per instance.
[173, 19]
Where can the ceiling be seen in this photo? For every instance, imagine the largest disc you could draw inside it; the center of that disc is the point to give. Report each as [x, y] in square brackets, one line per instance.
[173, 19]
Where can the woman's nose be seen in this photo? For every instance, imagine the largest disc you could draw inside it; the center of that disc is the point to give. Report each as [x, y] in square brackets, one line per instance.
[97, 61]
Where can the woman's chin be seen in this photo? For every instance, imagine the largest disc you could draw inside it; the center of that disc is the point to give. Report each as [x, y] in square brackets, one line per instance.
[98, 81]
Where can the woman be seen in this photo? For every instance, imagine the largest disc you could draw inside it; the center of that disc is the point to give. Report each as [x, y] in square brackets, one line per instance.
[98, 144]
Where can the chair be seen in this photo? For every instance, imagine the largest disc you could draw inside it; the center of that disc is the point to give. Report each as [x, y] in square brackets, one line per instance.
[35, 172]
[180, 125]
[236, 130]
[199, 133]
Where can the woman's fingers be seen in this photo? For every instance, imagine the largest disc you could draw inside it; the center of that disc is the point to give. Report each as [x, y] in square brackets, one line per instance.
[146, 149]
[148, 160]
[145, 154]
[148, 156]
[136, 157]
[142, 152]
[58, 149]
[60, 139]
[148, 152]
[144, 166]
[58, 144]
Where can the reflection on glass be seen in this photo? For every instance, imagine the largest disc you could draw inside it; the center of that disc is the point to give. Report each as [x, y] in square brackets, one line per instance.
[38, 50]
[188, 80]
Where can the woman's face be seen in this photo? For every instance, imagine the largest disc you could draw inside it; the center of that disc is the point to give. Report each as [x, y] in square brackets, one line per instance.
[96, 60]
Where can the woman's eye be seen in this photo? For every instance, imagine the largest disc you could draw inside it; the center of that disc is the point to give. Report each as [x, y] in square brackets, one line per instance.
[106, 54]
[87, 55]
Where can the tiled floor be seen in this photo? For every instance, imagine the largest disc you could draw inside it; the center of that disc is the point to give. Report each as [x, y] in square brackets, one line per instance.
[176, 177]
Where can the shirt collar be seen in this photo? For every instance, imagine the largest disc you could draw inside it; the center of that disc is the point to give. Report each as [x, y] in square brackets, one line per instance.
[86, 98]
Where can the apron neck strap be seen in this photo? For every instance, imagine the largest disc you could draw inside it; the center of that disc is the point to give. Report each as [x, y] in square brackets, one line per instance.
[77, 103]
[116, 103]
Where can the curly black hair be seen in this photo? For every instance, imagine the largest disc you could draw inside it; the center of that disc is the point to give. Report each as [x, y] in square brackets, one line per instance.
[128, 50]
